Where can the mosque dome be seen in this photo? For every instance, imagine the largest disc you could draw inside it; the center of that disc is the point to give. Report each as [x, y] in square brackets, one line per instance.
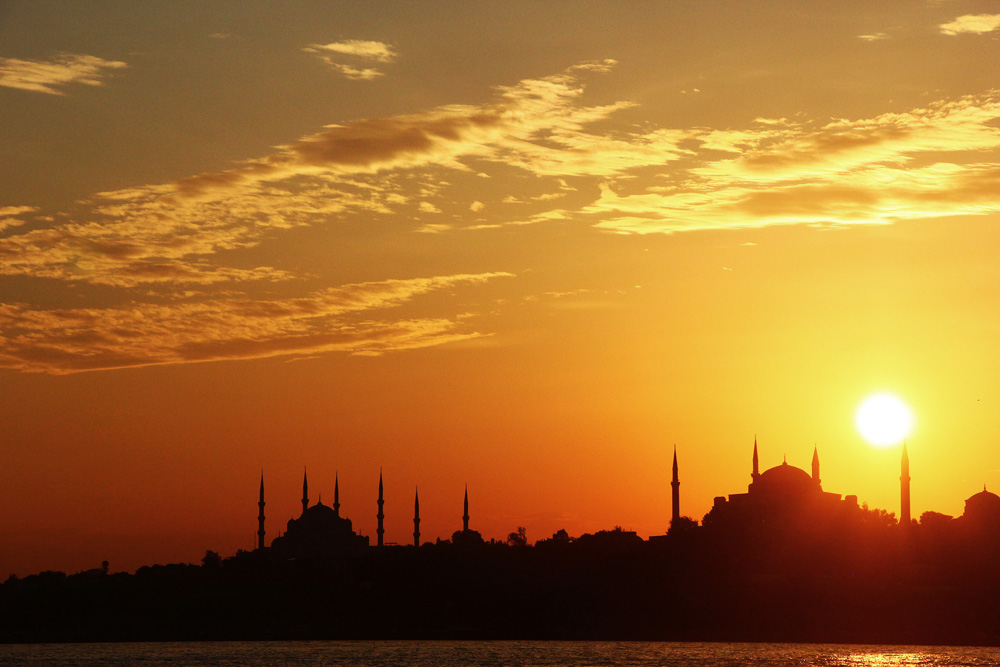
[983, 505]
[319, 510]
[785, 481]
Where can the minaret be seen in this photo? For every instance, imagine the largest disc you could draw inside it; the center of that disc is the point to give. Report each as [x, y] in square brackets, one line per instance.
[904, 489]
[465, 517]
[815, 465]
[416, 518]
[756, 467]
[380, 515]
[675, 496]
[260, 516]
[305, 491]
[336, 494]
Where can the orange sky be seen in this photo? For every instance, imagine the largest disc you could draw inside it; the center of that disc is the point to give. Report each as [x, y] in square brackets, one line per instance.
[527, 247]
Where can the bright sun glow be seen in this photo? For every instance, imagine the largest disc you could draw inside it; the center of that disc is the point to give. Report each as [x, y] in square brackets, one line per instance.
[884, 420]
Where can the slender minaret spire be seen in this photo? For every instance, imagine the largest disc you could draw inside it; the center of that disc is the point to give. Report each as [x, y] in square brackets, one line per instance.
[465, 517]
[260, 516]
[756, 466]
[675, 496]
[305, 491]
[336, 494]
[815, 464]
[416, 518]
[380, 515]
[904, 489]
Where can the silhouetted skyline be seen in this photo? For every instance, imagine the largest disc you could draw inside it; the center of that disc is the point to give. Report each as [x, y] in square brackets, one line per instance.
[784, 561]
[772, 497]
[524, 246]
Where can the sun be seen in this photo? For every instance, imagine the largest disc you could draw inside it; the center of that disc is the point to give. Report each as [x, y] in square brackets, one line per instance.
[883, 420]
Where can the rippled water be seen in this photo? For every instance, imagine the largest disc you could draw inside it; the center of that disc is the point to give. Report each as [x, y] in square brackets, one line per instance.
[467, 654]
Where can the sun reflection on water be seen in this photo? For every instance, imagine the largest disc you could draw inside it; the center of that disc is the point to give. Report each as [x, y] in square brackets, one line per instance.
[889, 659]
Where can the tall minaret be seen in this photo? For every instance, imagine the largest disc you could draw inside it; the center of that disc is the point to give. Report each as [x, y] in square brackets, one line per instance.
[815, 464]
[675, 496]
[260, 516]
[756, 467]
[380, 515]
[904, 490]
[465, 517]
[305, 491]
[336, 494]
[416, 518]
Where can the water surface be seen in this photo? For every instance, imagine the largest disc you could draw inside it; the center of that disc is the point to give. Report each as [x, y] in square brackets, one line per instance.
[500, 653]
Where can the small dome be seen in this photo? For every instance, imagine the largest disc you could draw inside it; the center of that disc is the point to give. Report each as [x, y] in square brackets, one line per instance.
[784, 480]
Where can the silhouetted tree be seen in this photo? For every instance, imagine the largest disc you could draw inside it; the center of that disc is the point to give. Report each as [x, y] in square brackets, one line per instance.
[935, 520]
[466, 538]
[874, 517]
[518, 538]
[211, 560]
[683, 524]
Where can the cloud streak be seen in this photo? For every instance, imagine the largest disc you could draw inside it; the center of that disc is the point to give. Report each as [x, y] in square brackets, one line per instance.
[50, 76]
[330, 320]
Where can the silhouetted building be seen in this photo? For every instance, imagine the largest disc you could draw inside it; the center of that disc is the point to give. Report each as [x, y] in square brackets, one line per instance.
[336, 494]
[465, 511]
[416, 517]
[305, 491]
[260, 515]
[982, 509]
[778, 497]
[466, 536]
[904, 489]
[380, 531]
[675, 492]
[320, 530]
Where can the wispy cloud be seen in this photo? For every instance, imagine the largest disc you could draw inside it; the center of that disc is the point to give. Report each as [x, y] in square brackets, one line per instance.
[150, 240]
[49, 76]
[10, 216]
[368, 50]
[336, 319]
[775, 171]
[878, 170]
[536, 125]
[873, 37]
[17, 210]
[168, 234]
[973, 23]
[356, 51]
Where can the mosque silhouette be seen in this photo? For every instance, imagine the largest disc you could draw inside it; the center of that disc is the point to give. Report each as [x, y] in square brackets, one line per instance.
[780, 498]
[321, 530]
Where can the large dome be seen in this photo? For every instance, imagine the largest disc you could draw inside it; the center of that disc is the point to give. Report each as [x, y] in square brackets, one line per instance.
[784, 480]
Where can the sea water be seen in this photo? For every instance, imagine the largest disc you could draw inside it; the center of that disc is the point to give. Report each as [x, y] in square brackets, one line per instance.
[499, 653]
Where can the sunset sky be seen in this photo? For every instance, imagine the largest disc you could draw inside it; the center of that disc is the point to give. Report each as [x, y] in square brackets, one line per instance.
[524, 246]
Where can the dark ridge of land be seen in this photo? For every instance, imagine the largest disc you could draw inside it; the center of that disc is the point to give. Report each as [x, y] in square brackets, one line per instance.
[867, 582]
